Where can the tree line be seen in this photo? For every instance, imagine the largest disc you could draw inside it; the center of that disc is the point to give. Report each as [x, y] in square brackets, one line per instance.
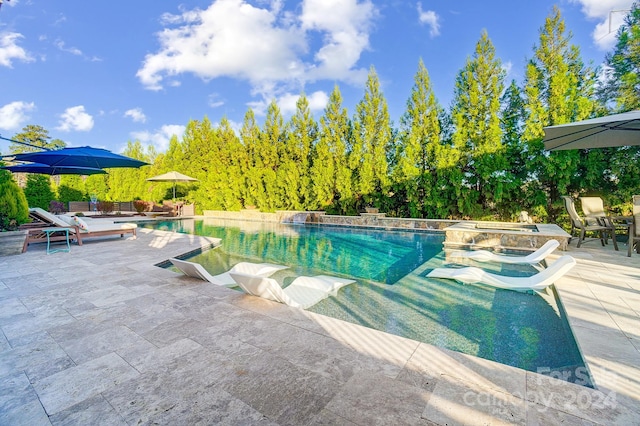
[480, 158]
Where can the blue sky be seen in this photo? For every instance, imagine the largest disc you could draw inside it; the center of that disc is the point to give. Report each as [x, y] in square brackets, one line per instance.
[104, 73]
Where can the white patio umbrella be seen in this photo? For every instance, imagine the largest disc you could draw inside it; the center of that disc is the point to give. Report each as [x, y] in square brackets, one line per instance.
[174, 177]
[602, 132]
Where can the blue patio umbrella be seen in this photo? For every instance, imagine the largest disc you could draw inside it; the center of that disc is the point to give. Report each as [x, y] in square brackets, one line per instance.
[84, 157]
[52, 170]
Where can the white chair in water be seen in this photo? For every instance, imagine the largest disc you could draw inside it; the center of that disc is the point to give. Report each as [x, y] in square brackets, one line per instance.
[487, 256]
[302, 293]
[539, 281]
[196, 270]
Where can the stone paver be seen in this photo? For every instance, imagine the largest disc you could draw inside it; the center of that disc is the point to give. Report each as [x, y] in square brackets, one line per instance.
[101, 336]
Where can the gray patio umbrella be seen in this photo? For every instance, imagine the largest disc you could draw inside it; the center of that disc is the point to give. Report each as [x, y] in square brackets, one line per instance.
[602, 132]
[174, 177]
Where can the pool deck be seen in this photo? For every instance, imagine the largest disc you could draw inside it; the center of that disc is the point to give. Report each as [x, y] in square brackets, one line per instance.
[101, 336]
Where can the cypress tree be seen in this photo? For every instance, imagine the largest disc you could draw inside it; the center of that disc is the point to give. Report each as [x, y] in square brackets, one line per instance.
[271, 154]
[232, 156]
[518, 195]
[294, 172]
[477, 135]
[420, 137]
[126, 184]
[557, 90]
[624, 62]
[330, 172]
[371, 144]
[250, 135]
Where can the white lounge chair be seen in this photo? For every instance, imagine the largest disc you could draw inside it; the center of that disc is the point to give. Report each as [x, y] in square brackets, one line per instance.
[302, 293]
[539, 281]
[196, 270]
[79, 228]
[487, 256]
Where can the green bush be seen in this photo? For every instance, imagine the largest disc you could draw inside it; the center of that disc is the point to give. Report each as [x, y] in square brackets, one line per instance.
[14, 210]
[67, 193]
[38, 191]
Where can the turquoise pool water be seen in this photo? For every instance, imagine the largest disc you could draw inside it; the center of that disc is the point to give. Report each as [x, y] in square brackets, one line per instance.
[524, 330]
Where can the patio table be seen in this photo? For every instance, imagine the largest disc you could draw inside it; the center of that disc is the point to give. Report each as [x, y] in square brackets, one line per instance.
[50, 231]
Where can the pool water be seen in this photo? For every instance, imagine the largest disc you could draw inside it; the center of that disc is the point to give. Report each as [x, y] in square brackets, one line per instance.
[392, 294]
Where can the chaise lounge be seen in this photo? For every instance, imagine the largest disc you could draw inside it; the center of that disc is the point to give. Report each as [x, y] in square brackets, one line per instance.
[79, 228]
[302, 293]
[539, 281]
[196, 270]
[487, 256]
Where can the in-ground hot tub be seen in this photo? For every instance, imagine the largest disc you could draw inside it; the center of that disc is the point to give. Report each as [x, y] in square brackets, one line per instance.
[503, 235]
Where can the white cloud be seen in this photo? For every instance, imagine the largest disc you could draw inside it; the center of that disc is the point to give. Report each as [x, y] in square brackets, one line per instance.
[345, 26]
[10, 4]
[215, 101]
[317, 102]
[160, 138]
[10, 51]
[73, 50]
[75, 119]
[268, 47]
[430, 18]
[13, 115]
[136, 115]
[287, 103]
[610, 15]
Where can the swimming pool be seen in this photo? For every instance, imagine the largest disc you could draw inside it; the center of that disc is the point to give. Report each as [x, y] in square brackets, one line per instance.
[528, 331]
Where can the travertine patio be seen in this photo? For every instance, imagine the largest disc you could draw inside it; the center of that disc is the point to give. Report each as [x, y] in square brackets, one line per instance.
[101, 336]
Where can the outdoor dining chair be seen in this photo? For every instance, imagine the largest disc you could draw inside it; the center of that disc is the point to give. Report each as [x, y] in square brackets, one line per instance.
[581, 224]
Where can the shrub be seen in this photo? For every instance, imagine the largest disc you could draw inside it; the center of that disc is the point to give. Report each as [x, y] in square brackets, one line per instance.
[105, 207]
[141, 206]
[56, 207]
[14, 210]
[66, 194]
[38, 191]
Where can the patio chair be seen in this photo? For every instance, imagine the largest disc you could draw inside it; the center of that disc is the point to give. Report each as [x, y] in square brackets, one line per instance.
[539, 281]
[196, 270]
[593, 209]
[302, 293]
[595, 214]
[487, 256]
[578, 223]
[634, 227]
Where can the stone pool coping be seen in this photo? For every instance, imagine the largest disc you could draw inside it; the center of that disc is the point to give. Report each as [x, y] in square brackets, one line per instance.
[480, 234]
